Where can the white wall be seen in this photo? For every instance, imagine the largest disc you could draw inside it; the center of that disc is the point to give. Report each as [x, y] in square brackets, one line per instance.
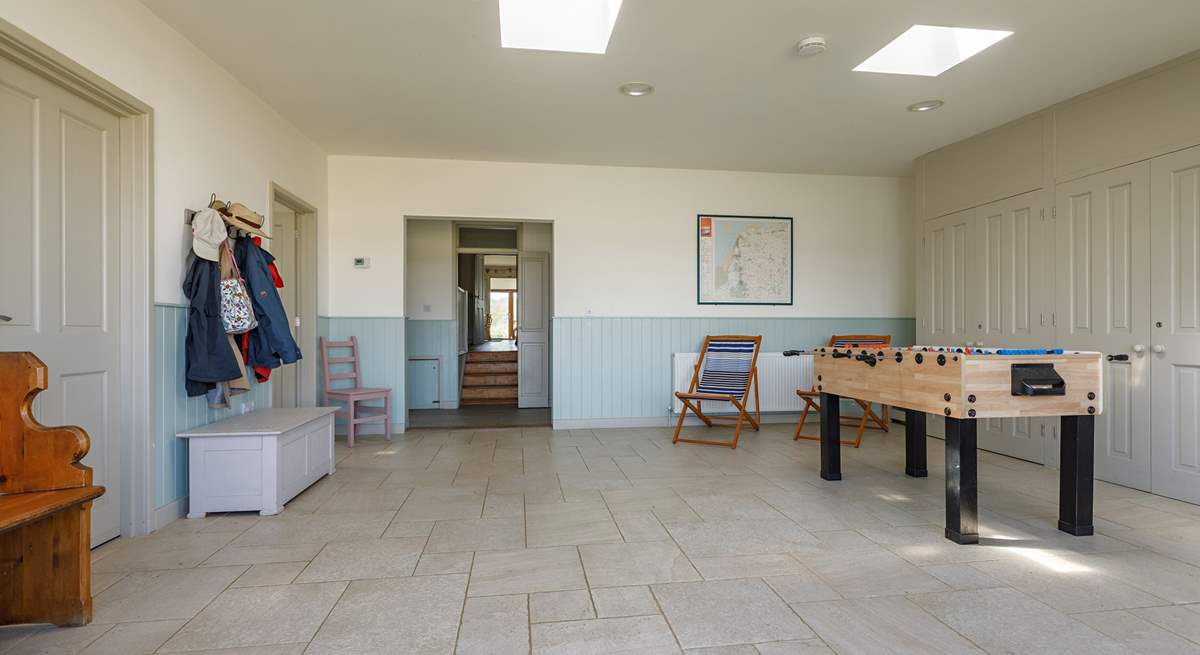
[432, 267]
[211, 134]
[637, 225]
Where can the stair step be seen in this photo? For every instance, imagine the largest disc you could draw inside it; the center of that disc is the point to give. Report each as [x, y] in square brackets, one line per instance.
[484, 356]
[492, 393]
[488, 401]
[489, 380]
[480, 368]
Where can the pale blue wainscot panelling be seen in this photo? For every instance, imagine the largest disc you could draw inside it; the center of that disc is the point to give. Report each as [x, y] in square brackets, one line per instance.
[174, 412]
[436, 339]
[381, 356]
[611, 370]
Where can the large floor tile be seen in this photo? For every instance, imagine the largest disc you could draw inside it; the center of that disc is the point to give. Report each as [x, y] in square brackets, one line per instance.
[665, 503]
[728, 612]
[354, 499]
[316, 529]
[1007, 621]
[1066, 585]
[154, 552]
[408, 615]
[712, 507]
[624, 601]
[881, 625]
[230, 555]
[494, 625]
[525, 571]
[561, 524]
[640, 563]
[750, 537]
[140, 638]
[259, 616]
[549, 606]
[645, 635]
[861, 573]
[1139, 634]
[640, 525]
[747, 566]
[476, 534]
[370, 558]
[438, 504]
[156, 595]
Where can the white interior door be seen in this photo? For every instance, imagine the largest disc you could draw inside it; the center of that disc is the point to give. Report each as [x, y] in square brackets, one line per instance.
[1103, 259]
[946, 244]
[1175, 311]
[1008, 287]
[533, 329]
[60, 264]
[283, 245]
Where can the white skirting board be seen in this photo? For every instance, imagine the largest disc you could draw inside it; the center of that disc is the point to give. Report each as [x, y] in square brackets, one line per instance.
[173, 510]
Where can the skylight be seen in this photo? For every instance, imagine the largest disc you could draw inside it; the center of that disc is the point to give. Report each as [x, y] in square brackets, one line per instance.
[562, 25]
[929, 50]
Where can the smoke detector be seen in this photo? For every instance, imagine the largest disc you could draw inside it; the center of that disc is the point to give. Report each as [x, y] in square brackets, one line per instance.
[811, 45]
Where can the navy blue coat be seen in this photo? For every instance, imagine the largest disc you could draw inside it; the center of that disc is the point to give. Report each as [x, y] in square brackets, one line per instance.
[208, 359]
[271, 342]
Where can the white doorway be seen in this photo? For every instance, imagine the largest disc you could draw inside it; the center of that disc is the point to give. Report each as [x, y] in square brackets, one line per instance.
[293, 244]
[76, 263]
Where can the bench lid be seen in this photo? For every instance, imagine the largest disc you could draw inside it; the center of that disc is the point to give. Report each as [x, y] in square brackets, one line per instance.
[262, 422]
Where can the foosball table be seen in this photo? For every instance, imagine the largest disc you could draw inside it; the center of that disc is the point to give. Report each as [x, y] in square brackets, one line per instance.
[965, 385]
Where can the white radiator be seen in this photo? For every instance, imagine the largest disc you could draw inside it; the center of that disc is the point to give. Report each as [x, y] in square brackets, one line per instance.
[778, 379]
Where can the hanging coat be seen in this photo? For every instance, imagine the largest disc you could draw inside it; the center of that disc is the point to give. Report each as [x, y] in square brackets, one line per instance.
[271, 342]
[208, 359]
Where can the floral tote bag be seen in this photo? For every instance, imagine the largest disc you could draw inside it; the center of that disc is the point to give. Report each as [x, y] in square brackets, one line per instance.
[236, 313]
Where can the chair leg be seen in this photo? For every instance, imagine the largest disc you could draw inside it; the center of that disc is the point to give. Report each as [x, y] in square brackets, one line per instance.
[862, 426]
[679, 423]
[387, 417]
[808, 405]
[737, 429]
[350, 421]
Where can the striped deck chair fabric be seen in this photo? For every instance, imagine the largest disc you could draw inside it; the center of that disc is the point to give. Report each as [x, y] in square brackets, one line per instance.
[725, 373]
[726, 368]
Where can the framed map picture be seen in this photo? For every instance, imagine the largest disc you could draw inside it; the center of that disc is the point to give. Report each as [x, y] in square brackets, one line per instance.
[743, 260]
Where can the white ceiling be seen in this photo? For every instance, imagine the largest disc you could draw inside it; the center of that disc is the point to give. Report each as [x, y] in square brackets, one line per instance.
[427, 78]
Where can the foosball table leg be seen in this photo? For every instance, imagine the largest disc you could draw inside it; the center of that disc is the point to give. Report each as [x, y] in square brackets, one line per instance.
[962, 487]
[831, 437]
[1076, 462]
[914, 444]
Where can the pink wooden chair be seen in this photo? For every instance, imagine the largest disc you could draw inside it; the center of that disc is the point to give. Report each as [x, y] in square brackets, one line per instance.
[354, 413]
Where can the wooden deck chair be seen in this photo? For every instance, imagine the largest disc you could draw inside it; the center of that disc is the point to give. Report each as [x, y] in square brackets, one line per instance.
[726, 370]
[809, 396]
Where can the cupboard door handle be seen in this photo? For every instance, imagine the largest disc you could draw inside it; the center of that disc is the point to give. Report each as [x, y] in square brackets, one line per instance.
[5, 319]
[1158, 348]
[1139, 348]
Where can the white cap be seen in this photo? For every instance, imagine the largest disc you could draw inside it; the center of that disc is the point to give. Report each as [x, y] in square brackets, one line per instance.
[208, 232]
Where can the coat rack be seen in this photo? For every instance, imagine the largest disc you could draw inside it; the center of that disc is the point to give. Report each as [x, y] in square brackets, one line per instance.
[222, 207]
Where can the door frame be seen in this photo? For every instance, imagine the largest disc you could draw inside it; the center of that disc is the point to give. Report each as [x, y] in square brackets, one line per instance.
[308, 264]
[136, 159]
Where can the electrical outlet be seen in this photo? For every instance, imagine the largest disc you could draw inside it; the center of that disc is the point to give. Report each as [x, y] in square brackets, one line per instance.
[427, 308]
[362, 262]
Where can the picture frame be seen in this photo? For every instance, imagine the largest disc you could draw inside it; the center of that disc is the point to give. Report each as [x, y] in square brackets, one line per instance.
[744, 260]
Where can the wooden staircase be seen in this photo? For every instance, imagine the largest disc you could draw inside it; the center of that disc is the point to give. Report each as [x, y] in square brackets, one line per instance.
[489, 378]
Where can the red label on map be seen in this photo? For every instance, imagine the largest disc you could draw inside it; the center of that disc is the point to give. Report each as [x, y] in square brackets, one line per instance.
[705, 226]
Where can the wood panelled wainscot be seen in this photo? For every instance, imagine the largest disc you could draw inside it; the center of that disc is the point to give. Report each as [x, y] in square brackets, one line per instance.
[45, 506]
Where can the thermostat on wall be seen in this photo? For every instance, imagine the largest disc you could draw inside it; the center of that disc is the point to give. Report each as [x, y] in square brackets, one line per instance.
[362, 262]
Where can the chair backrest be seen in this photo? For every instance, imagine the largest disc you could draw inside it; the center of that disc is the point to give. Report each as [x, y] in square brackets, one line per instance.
[726, 365]
[328, 360]
[860, 340]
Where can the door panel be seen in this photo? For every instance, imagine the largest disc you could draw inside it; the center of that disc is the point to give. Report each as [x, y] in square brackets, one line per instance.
[60, 256]
[946, 243]
[533, 329]
[1175, 304]
[283, 245]
[1008, 290]
[1103, 259]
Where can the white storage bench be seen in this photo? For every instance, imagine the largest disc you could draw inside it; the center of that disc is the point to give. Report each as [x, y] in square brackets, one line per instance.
[257, 461]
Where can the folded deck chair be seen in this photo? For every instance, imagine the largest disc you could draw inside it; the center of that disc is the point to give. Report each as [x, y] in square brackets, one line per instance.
[867, 341]
[725, 371]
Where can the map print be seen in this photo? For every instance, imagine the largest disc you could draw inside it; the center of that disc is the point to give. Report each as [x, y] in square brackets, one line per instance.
[745, 260]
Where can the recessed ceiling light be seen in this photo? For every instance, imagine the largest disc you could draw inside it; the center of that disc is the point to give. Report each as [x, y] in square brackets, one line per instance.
[925, 105]
[930, 50]
[636, 89]
[811, 45]
[562, 25]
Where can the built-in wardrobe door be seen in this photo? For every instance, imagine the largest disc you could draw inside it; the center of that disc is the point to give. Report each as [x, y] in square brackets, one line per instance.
[1102, 304]
[1011, 299]
[945, 260]
[1175, 335]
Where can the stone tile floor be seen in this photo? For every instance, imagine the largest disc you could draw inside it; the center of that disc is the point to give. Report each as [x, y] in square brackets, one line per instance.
[616, 541]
